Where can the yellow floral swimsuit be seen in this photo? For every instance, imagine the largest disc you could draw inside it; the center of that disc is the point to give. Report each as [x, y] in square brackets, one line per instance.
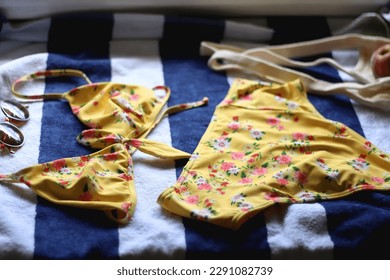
[118, 117]
[268, 145]
[265, 145]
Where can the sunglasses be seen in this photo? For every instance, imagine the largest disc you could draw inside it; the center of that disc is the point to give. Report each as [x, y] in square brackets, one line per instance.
[10, 135]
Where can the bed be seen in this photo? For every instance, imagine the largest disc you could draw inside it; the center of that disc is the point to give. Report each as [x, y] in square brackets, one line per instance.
[163, 49]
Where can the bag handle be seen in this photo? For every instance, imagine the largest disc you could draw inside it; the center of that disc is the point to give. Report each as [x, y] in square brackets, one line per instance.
[270, 63]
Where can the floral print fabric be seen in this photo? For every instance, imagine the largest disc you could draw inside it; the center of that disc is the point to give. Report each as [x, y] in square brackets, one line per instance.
[103, 180]
[268, 145]
[122, 109]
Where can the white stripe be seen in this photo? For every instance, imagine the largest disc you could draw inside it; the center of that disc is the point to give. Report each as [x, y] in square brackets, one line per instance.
[298, 231]
[18, 202]
[152, 230]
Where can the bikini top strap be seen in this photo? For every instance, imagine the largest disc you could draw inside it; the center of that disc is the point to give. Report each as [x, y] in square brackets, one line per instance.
[176, 109]
[18, 84]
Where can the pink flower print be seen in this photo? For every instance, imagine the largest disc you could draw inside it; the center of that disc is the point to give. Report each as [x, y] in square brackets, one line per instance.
[235, 126]
[86, 196]
[220, 191]
[224, 184]
[63, 183]
[299, 136]
[296, 119]
[75, 109]
[89, 134]
[177, 190]
[272, 121]
[134, 97]
[363, 186]
[237, 155]
[245, 181]
[59, 164]
[95, 103]
[181, 179]
[25, 181]
[192, 199]
[283, 159]
[136, 143]
[125, 177]
[259, 171]
[272, 196]
[126, 206]
[227, 165]
[111, 156]
[192, 174]
[227, 101]
[247, 97]
[212, 170]
[245, 206]
[301, 177]
[112, 138]
[378, 180]
[94, 125]
[204, 187]
[208, 202]
[282, 181]
[46, 169]
[368, 146]
[115, 93]
[359, 164]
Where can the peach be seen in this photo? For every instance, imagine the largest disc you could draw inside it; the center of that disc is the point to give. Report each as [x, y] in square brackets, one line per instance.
[380, 61]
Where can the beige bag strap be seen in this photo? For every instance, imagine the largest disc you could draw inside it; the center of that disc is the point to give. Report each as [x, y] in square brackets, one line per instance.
[270, 63]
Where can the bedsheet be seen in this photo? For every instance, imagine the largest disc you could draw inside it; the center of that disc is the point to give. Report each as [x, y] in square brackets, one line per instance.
[155, 50]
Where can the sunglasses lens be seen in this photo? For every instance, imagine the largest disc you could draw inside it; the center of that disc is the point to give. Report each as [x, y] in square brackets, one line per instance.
[10, 135]
[15, 110]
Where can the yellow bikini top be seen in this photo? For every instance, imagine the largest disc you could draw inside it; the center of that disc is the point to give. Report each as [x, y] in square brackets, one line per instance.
[111, 109]
[120, 116]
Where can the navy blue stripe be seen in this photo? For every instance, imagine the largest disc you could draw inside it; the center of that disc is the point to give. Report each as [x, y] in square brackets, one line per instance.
[190, 79]
[66, 232]
[359, 225]
[350, 220]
